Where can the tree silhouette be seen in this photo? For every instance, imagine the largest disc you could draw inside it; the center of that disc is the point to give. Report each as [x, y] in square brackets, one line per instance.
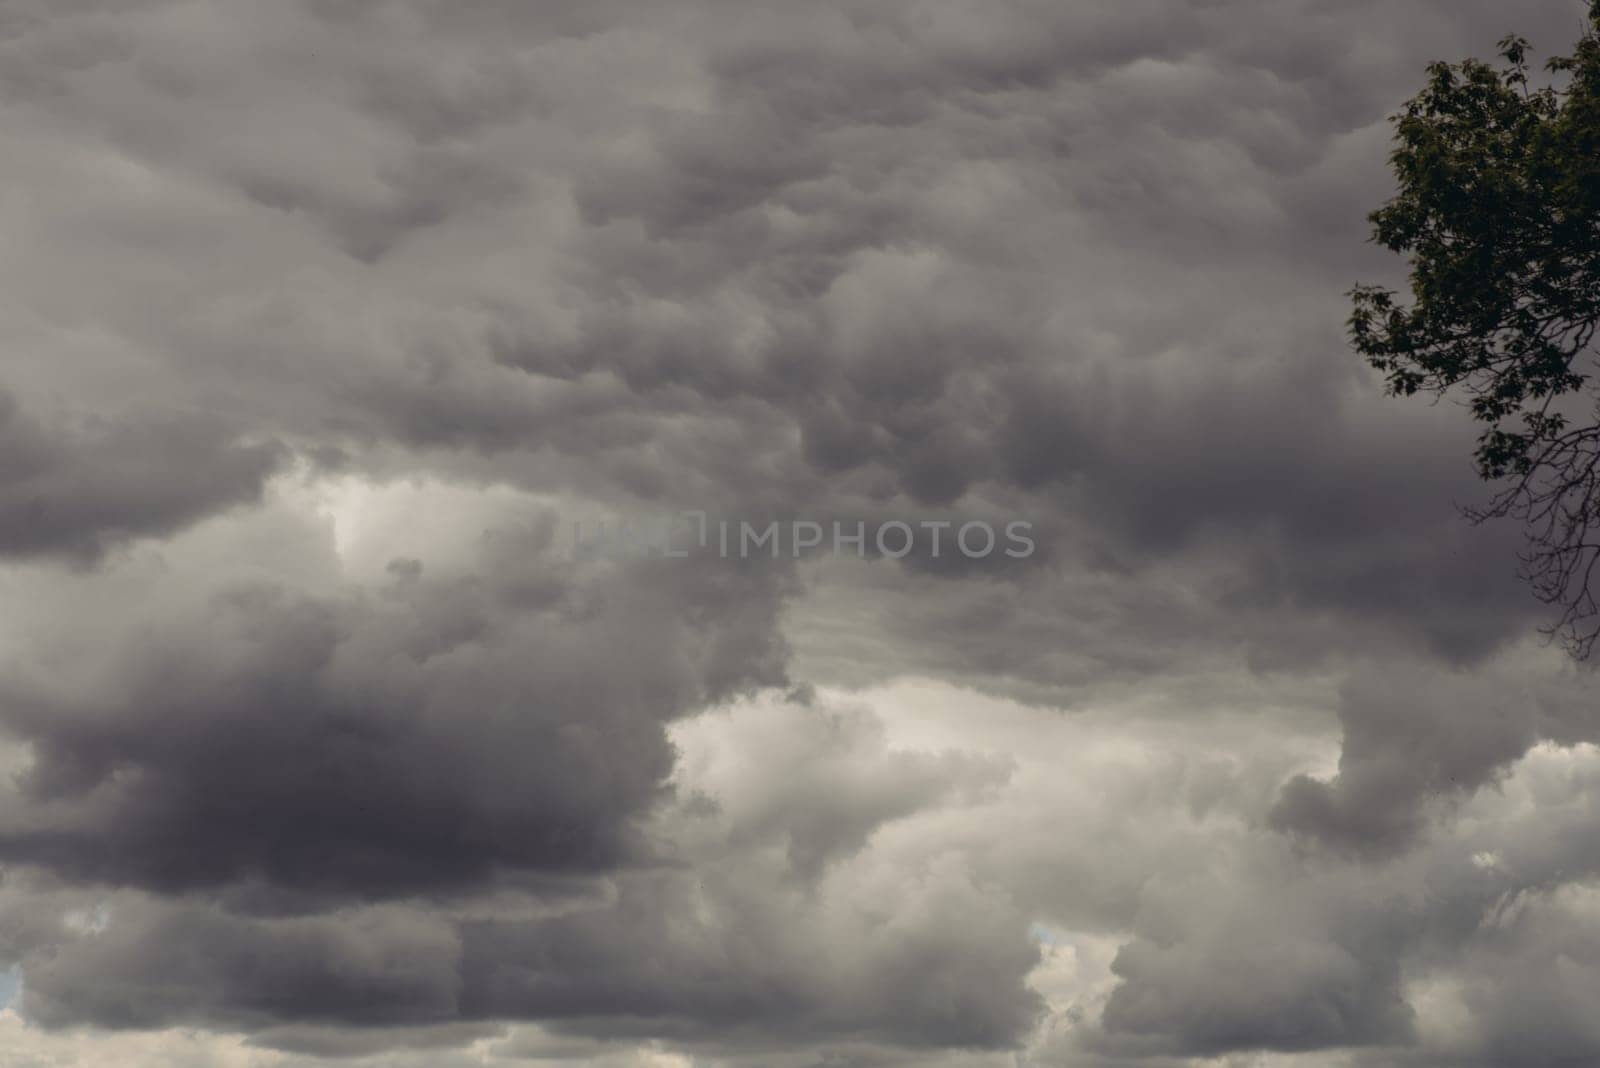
[1498, 212]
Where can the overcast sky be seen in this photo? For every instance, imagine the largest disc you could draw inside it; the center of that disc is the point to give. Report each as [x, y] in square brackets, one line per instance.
[324, 322]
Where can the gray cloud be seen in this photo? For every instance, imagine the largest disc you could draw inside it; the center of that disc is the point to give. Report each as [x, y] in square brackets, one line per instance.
[1414, 738]
[75, 493]
[333, 285]
[731, 948]
[378, 745]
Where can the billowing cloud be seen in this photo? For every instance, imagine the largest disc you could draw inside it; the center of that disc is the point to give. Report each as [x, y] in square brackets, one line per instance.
[327, 320]
[422, 735]
[75, 493]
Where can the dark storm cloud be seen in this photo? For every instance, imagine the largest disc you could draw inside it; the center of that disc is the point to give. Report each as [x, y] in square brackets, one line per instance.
[726, 947]
[1070, 263]
[946, 974]
[888, 257]
[832, 258]
[1414, 736]
[379, 745]
[376, 968]
[74, 493]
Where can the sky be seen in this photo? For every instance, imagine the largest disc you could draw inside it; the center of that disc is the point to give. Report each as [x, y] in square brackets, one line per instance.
[334, 330]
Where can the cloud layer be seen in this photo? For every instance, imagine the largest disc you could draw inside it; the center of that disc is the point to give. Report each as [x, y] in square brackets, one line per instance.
[327, 320]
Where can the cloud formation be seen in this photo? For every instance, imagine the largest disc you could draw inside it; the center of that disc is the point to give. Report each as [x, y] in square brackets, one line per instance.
[326, 320]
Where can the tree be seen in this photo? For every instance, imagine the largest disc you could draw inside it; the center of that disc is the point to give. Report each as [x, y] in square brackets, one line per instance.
[1498, 212]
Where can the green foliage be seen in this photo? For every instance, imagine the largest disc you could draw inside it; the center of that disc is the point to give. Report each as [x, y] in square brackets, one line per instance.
[1498, 213]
